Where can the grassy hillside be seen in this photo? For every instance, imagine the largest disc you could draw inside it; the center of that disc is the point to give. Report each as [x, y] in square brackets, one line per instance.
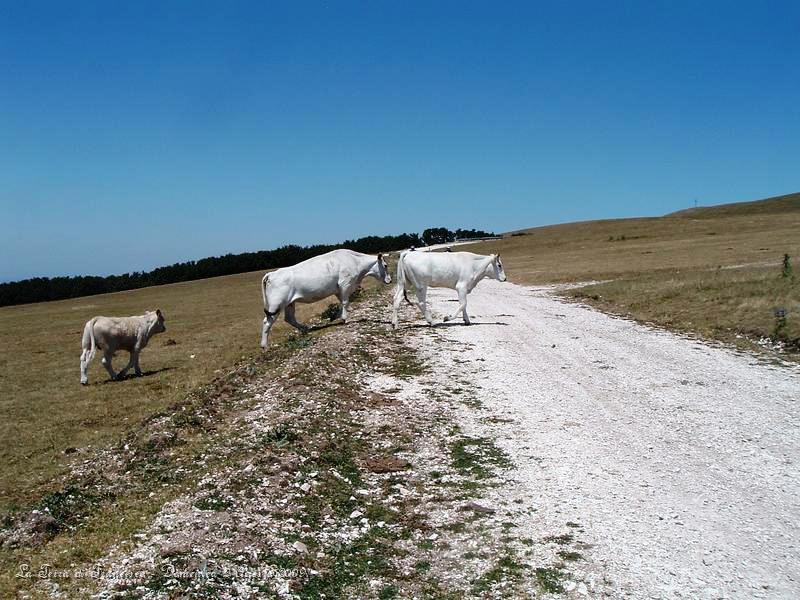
[713, 271]
[45, 413]
[774, 205]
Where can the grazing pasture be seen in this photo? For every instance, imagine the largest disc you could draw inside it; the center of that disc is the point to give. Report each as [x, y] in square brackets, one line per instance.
[44, 411]
[714, 271]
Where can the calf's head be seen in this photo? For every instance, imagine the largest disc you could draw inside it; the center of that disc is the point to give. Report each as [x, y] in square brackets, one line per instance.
[158, 325]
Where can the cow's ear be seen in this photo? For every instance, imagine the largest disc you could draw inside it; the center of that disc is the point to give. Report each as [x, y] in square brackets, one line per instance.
[380, 256]
[158, 313]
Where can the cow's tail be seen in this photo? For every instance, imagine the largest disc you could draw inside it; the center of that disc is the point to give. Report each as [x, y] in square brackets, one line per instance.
[401, 276]
[88, 343]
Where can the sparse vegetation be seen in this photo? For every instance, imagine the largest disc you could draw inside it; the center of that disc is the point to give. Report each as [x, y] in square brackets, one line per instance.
[332, 312]
[550, 580]
[786, 267]
[569, 555]
[476, 457]
[505, 569]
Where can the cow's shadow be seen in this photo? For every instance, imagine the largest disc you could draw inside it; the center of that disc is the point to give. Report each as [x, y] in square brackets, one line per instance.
[458, 323]
[135, 376]
[322, 326]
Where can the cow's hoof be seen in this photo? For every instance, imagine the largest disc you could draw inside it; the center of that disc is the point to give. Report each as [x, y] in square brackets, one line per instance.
[84, 383]
[446, 319]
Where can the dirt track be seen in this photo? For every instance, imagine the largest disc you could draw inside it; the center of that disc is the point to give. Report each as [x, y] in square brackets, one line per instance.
[678, 459]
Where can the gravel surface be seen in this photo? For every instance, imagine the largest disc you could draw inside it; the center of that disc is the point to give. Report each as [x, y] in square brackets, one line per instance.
[677, 459]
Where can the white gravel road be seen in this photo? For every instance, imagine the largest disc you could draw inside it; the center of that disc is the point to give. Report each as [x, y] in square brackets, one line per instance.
[678, 459]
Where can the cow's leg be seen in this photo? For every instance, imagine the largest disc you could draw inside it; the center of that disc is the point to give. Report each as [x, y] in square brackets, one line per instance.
[398, 299]
[107, 356]
[422, 294]
[462, 305]
[269, 321]
[344, 298]
[291, 320]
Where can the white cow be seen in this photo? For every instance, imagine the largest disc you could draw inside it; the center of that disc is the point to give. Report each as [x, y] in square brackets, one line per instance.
[460, 271]
[338, 273]
[119, 333]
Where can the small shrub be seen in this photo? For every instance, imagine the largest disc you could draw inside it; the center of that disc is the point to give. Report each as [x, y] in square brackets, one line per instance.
[549, 580]
[779, 331]
[332, 312]
[786, 269]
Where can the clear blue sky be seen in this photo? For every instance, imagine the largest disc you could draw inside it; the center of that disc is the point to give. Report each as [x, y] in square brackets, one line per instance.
[142, 133]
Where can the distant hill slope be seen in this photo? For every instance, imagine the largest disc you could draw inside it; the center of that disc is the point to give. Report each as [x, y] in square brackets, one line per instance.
[777, 204]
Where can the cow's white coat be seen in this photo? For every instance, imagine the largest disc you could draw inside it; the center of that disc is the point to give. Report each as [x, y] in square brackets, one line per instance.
[460, 271]
[336, 273]
[118, 333]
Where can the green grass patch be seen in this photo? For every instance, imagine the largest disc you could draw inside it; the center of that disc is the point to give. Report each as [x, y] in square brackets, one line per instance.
[477, 457]
[569, 555]
[505, 569]
[549, 580]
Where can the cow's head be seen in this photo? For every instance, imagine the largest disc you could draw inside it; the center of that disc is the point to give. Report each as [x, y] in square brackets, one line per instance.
[497, 271]
[381, 270]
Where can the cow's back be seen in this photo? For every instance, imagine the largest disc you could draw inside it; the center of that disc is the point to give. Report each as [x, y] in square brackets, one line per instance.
[315, 278]
[438, 269]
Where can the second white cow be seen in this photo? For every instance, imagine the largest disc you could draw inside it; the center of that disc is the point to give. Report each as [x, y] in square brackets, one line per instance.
[336, 273]
[460, 271]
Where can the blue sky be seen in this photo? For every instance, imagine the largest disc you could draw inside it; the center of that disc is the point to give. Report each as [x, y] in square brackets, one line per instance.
[144, 133]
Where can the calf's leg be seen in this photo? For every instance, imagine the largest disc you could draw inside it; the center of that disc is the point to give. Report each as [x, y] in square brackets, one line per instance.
[136, 368]
[107, 356]
[132, 362]
[85, 358]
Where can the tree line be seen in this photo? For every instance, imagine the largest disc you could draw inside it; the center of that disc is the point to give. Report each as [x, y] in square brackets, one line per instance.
[41, 289]
[442, 235]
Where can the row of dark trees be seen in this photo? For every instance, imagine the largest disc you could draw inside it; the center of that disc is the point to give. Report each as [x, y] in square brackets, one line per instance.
[40, 289]
[442, 235]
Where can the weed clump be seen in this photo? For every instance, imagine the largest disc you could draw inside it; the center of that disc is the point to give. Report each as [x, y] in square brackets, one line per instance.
[475, 456]
[786, 267]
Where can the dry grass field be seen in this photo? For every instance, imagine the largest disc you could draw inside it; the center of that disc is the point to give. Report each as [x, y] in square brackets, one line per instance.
[45, 412]
[711, 271]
